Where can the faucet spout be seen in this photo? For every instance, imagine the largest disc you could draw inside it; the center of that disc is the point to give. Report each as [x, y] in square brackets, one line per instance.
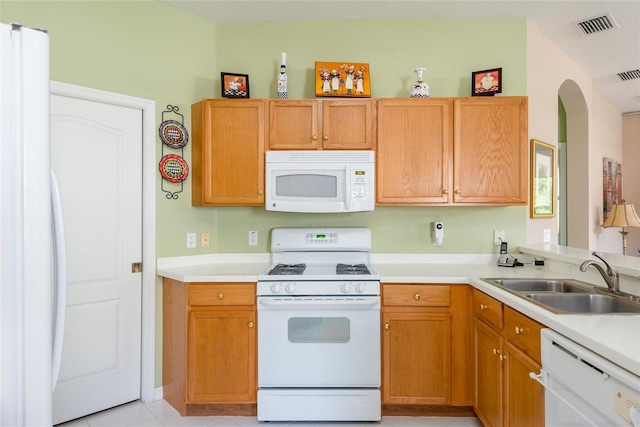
[608, 273]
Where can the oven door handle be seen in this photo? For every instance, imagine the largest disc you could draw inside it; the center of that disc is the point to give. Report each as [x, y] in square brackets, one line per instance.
[320, 304]
[543, 379]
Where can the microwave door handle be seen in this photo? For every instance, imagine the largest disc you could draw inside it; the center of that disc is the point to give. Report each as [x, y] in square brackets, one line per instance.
[347, 196]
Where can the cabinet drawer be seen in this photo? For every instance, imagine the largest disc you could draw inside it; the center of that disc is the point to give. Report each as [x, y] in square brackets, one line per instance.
[487, 308]
[416, 295]
[217, 294]
[522, 332]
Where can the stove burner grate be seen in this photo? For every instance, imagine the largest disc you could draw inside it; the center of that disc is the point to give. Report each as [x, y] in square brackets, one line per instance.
[352, 269]
[288, 269]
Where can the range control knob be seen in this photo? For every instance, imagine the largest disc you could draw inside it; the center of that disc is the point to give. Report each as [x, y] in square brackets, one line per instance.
[361, 287]
[290, 288]
[346, 287]
[276, 288]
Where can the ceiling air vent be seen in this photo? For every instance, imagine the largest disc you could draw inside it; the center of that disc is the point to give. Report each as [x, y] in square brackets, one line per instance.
[597, 24]
[629, 75]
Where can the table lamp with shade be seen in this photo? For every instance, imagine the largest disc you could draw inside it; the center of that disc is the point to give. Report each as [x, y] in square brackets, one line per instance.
[622, 215]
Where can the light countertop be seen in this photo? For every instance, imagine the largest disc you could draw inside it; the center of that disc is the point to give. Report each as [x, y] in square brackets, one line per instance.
[615, 337]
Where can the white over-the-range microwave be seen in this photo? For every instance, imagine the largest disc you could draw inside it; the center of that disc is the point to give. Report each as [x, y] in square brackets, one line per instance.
[320, 181]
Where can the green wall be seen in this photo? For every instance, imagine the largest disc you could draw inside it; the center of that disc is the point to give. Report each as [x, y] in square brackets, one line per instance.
[150, 50]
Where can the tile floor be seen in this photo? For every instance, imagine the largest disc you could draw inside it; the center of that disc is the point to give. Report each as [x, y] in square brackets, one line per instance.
[161, 414]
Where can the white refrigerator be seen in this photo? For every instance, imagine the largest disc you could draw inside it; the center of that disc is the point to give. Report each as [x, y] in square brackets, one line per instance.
[31, 258]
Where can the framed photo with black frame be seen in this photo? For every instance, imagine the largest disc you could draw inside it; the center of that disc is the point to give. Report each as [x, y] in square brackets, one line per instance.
[234, 85]
[486, 82]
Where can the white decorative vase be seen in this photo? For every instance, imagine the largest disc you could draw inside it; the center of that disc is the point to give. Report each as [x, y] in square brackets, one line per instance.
[419, 89]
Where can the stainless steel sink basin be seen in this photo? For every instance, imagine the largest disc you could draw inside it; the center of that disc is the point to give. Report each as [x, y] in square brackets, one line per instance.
[567, 296]
[542, 285]
[586, 303]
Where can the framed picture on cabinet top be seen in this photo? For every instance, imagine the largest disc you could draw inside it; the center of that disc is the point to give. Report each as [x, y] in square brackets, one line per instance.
[234, 85]
[486, 82]
[543, 183]
[343, 79]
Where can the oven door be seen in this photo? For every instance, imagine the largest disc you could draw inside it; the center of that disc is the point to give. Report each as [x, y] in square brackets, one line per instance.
[319, 342]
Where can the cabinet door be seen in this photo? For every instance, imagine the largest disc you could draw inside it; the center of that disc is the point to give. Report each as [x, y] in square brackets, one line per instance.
[413, 151]
[490, 150]
[488, 396]
[228, 152]
[221, 348]
[524, 397]
[416, 358]
[293, 124]
[347, 124]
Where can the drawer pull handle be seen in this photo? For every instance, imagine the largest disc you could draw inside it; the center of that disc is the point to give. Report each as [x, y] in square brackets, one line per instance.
[386, 326]
[483, 307]
[250, 325]
[416, 297]
[519, 330]
[220, 295]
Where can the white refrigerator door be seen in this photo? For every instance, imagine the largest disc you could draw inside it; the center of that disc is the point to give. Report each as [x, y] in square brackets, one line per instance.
[25, 228]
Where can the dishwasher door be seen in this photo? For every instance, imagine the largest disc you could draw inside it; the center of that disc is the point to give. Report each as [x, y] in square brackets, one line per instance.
[584, 389]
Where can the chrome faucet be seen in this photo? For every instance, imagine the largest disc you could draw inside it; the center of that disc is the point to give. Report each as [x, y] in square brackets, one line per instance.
[610, 275]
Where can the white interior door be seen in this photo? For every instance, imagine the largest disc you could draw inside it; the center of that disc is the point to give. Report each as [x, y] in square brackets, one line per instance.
[96, 151]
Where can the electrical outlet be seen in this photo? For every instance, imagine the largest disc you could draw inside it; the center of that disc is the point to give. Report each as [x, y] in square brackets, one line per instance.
[204, 240]
[253, 238]
[499, 236]
[191, 240]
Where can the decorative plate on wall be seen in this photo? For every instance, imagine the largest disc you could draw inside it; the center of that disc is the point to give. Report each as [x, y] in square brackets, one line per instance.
[173, 134]
[173, 168]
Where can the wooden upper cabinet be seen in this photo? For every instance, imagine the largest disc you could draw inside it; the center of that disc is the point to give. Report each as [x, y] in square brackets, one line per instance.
[228, 144]
[309, 124]
[414, 151]
[490, 150]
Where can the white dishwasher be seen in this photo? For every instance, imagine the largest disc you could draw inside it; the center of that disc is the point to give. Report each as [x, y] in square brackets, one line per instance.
[584, 389]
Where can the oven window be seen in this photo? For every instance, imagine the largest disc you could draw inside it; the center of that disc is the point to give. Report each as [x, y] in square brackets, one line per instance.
[307, 185]
[319, 330]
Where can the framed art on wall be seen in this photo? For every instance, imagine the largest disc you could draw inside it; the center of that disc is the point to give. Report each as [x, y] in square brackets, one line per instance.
[234, 85]
[343, 79]
[543, 161]
[486, 82]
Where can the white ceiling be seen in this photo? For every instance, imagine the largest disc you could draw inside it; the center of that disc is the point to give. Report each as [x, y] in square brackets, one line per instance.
[602, 55]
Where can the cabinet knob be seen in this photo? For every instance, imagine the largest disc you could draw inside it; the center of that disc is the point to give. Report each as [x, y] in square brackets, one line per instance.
[483, 307]
[314, 137]
[325, 137]
[220, 295]
[445, 192]
[503, 357]
[458, 191]
[416, 297]
[386, 326]
[519, 330]
[260, 192]
[496, 351]
[250, 325]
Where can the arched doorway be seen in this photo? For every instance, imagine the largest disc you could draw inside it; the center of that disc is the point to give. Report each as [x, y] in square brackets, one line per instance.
[574, 197]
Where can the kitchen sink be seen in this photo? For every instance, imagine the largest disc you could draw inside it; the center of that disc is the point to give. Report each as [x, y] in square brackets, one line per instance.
[542, 285]
[586, 303]
[568, 296]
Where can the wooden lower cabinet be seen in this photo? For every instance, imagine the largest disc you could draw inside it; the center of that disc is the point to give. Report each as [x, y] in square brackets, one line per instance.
[209, 347]
[426, 340]
[507, 348]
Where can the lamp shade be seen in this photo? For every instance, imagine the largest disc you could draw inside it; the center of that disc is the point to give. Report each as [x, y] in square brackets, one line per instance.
[622, 215]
